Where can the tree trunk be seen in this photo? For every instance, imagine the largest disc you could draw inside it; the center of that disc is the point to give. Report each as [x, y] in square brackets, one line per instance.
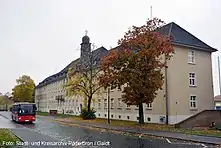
[141, 115]
[89, 104]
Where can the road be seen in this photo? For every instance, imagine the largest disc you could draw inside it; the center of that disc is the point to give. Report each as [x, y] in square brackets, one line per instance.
[67, 133]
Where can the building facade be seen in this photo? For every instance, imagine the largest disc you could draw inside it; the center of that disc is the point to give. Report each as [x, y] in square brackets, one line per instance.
[217, 102]
[188, 87]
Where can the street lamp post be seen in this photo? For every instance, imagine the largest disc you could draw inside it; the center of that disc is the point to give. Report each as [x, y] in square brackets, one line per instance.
[108, 105]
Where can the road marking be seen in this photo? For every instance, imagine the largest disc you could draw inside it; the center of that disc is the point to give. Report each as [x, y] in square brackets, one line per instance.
[140, 136]
[168, 140]
[204, 145]
[102, 131]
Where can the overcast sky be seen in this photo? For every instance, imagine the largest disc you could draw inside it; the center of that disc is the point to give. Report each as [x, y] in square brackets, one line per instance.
[40, 37]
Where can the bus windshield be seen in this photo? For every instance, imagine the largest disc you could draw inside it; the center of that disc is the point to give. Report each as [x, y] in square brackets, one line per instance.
[26, 109]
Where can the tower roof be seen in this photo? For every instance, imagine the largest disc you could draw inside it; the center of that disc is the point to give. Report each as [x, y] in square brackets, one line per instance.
[85, 39]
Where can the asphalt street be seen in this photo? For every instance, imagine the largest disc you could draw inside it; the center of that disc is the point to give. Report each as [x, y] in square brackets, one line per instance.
[85, 137]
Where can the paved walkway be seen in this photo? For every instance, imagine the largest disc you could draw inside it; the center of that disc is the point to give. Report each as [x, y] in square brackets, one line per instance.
[175, 135]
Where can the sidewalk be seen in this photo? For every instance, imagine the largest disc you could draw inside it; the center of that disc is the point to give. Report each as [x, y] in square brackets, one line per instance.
[174, 135]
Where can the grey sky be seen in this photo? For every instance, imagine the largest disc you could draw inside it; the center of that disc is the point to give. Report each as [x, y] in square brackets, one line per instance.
[40, 37]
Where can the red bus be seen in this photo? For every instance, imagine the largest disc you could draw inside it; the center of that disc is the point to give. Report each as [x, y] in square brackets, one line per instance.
[23, 112]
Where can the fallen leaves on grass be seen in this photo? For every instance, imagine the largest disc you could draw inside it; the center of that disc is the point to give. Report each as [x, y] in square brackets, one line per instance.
[147, 126]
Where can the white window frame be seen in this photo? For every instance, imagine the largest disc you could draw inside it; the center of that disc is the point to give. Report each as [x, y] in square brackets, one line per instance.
[119, 102]
[105, 103]
[192, 100]
[93, 104]
[99, 103]
[149, 105]
[191, 57]
[112, 103]
[192, 78]
[128, 106]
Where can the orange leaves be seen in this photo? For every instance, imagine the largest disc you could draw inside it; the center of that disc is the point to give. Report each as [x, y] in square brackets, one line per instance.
[138, 62]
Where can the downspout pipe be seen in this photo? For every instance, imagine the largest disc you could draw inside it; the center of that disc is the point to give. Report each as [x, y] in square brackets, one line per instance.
[166, 84]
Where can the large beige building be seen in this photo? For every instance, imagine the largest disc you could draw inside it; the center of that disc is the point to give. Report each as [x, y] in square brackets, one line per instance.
[188, 87]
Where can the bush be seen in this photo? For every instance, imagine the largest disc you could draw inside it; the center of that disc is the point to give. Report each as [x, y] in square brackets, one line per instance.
[218, 127]
[88, 115]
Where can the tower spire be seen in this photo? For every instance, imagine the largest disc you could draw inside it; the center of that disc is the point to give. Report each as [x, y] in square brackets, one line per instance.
[86, 32]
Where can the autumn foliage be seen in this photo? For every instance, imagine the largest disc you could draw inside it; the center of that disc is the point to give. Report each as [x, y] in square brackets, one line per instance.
[24, 90]
[137, 63]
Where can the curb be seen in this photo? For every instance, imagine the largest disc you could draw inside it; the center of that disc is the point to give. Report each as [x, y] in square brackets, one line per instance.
[17, 136]
[11, 130]
[4, 116]
[147, 134]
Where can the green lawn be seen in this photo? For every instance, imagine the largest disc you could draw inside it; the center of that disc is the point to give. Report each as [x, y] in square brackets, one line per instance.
[7, 136]
[149, 126]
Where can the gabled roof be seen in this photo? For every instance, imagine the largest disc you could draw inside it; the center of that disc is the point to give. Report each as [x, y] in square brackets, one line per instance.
[180, 37]
[183, 38]
[100, 52]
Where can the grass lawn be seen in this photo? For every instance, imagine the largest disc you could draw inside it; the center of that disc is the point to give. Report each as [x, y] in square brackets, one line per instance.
[148, 126]
[7, 136]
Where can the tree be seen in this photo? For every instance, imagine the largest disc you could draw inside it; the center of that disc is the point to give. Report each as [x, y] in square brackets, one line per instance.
[83, 79]
[2, 101]
[137, 64]
[24, 90]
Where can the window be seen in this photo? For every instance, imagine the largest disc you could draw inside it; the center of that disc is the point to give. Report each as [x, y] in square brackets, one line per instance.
[93, 103]
[119, 102]
[128, 117]
[191, 57]
[149, 105]
[128, 106]
[119, 88]
[99, 115]
[112, 103]
[193, 102]
[105, 103]
[192, 79]
[148, 119]
[105, 115]
[112, 116]
[119, 116]
[99, 103]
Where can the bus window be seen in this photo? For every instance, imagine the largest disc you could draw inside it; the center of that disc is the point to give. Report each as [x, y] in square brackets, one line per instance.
[26, 109]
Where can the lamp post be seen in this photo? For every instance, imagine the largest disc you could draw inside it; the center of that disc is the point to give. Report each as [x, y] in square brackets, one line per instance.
[108, 105]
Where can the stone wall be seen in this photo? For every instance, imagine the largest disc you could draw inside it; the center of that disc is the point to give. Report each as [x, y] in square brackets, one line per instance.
[202, 119]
